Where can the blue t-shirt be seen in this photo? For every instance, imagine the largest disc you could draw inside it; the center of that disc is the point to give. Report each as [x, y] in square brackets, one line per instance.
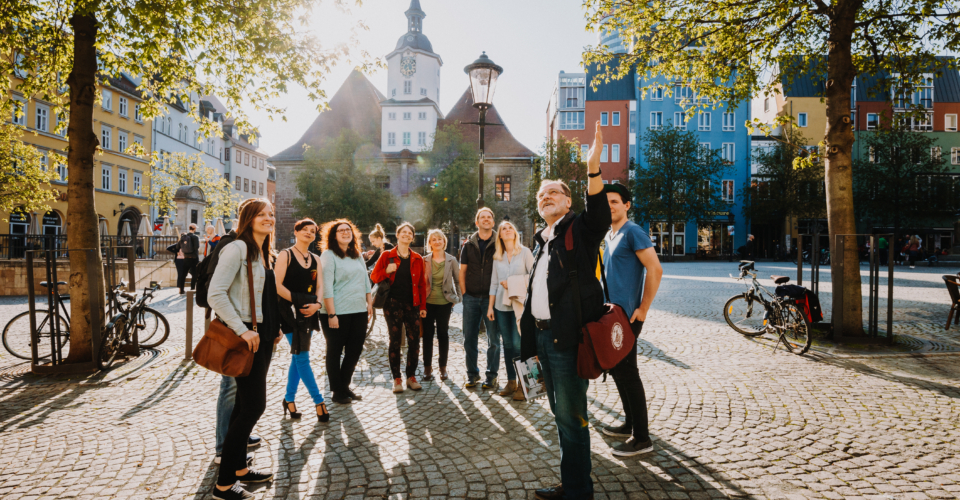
[623, 269]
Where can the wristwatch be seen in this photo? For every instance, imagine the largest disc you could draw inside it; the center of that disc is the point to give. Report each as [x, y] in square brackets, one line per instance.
[599, 171]
[330, 315]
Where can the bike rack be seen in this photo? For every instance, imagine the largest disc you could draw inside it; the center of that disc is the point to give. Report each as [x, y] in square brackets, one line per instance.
[814, 261]
[873, 299]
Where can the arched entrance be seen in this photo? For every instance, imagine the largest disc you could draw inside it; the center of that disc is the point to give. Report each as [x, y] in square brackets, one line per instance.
[132, 217]
[52, 223]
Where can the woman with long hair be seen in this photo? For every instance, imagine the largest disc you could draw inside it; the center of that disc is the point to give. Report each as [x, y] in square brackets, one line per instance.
[229, 297]
[511, 258]
[378, 240]
[299, 284]
[913, 251]
[347, 301]
[443, 291]
[406, 303]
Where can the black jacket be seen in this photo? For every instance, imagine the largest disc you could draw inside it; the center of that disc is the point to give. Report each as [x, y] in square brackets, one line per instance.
[292, 321]
[479, 267]
[589, 228]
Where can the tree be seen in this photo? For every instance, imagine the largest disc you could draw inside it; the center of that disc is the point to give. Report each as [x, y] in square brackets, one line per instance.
[339, 180]
[676, 179]
[197, 47]
[172, 170]
[24, 177]
[559, 160]
[452, 198]
[724, 50]
[903, 180]
[788, 183]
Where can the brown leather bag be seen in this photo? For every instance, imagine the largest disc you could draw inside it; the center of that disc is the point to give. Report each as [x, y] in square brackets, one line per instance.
[223, 351]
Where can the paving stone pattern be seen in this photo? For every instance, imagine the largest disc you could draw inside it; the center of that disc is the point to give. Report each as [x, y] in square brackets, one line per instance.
[730, 418]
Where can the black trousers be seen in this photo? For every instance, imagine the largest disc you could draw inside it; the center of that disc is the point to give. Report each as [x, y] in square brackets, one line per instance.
[437, 320]
[249, 406]
[185, 266]
[626, 375]
[346, 341]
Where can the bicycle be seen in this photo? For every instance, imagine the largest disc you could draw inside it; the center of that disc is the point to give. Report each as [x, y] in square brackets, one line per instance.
[779, 316]
[132, 318]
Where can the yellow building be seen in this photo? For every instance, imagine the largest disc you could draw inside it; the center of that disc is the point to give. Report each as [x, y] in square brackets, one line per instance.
[121, 179]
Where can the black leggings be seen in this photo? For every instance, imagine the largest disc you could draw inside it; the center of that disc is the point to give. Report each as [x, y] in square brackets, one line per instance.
[348, 341]
[438, 319]
[399, 315]
[249, 406]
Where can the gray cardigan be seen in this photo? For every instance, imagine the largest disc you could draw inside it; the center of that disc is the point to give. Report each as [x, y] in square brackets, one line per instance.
[229, 294]
[502, 269]
[451, 277]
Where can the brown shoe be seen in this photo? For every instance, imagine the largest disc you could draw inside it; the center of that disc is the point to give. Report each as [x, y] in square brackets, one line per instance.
[510, 388]
[518, 395]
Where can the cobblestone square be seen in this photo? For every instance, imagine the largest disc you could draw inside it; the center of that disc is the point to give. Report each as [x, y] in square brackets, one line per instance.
[730, 417]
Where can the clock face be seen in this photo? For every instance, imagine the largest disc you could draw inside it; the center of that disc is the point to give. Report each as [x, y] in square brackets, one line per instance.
[408, 65]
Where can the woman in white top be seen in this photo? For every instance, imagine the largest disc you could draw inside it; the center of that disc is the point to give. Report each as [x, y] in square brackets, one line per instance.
[510, 259]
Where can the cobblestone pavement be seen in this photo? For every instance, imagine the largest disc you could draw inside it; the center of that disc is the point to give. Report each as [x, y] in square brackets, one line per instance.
[730, 418]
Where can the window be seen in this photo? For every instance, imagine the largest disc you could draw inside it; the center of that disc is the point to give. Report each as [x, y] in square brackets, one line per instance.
[122, 142]
[704, 149]
[261, 163]
[955, 156]
[19, 113]
[391, 116]
[246, 159]
[391, 139]
[406, 116]
[105, 172]
[138, 140]
[179, 131]
[136, 113]
[107, 100]
[105, 137]
[656, 120]
[802, 119]
[406, 138]
[502, 187]
[728, 122]
[916, 123]
[261, 189]
[615, 153]
[703, 121]
[246, 185]
[679, 120]
[408, 87]
[423, 91]
[584, 150]
[122, 180]
[421, 138]
[766, 105]
[62, 118]
[950, 123]
[936, 154]
[616, 118]
[393, 93]
[604, 119]
[62, 169]
[123, 106]
[571, 97]
[633, 122]
[226, 154]
[137, 182]
[916, 94]
[727, 191]
[383, 181]
[683, 94]
[727, 152]
[422, 115]
[571, 120]
[603, 154]
[871, 155]
[873, 121]
[656, 94]
[237, 179]
[43, 121]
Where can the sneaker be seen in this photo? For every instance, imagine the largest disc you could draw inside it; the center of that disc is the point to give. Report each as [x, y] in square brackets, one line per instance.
[236, 492]
[632, 447]
[472, 381]
[413, 384]
[490, 383]
[397, 386]
[255, 476]
[216, 459]
[623, 430]
[253, 441]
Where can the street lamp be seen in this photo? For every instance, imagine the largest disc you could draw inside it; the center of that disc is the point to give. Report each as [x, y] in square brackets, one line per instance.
[483, 82]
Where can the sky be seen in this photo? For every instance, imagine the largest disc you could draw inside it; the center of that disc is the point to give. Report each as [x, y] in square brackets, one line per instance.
[533, 40]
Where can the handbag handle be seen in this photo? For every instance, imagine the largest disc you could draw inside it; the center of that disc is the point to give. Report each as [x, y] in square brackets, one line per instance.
[253, 303]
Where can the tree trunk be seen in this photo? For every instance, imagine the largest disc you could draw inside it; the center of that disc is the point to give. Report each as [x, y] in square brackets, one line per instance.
[82, 220]
[838, 166]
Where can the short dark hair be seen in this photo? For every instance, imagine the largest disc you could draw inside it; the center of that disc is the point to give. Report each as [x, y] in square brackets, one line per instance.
[619, 189]
[302, 223]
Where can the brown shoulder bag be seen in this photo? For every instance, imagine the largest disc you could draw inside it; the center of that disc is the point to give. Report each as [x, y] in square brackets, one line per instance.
[223, 351]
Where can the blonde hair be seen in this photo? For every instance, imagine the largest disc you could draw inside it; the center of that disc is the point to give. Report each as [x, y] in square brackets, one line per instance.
[476, 218]
[432, 232]
[377, 232]
[517, 246]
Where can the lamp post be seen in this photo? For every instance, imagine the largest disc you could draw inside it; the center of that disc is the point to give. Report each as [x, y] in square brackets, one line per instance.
[483, 82]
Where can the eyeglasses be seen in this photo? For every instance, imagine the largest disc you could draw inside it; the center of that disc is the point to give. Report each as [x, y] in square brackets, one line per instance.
[549, 192]
[345, 231]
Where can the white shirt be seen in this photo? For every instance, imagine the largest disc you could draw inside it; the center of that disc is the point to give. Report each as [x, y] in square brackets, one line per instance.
[540, 297]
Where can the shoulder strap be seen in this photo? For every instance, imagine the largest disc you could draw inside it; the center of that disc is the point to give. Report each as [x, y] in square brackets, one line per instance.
[253, 302]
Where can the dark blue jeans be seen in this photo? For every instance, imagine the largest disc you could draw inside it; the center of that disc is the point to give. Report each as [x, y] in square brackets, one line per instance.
[567, 393]
[475, 311]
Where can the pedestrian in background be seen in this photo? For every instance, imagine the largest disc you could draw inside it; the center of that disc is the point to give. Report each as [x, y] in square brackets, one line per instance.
[229, 297]
[443, 291]
[187, 258]
[378, 240]
[883, 248]
[405, 305]
[476, 267]
[300, 286]
[510, 258]
[627, 256]
[211, 240]
[347, 301]
[912, 251]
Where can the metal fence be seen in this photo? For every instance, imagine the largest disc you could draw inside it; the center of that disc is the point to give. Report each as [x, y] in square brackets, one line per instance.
[15, 246]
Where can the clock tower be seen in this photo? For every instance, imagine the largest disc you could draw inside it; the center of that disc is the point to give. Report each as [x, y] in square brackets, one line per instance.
[412, 105]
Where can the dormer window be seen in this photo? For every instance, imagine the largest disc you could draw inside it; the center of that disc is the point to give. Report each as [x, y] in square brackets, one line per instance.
[407, 87]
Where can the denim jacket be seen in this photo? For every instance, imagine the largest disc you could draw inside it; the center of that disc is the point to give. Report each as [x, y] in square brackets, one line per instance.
[229, 294]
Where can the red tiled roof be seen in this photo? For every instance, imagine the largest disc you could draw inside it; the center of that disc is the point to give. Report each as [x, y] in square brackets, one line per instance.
[498, 141]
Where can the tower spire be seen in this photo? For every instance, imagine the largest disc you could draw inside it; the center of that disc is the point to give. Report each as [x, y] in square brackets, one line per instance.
[415, 17]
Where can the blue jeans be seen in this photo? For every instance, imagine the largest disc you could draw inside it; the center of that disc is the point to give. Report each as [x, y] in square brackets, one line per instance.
[475, 311]
[567, 393]
[300, 369]
[507, 328]
[228, 395]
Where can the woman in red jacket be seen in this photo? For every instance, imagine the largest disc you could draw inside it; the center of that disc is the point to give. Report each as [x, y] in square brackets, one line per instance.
[406, 304]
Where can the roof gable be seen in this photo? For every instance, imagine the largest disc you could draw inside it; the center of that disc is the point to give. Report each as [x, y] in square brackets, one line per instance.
[498, 141]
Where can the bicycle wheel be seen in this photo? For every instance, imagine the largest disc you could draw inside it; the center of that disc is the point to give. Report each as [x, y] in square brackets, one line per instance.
[16, 335]
[110, 342]
[796, 329]
[155, 328]
[371, 322]
[745, 316]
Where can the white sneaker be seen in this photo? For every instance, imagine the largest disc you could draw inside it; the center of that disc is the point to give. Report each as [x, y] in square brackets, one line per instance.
[397, 387]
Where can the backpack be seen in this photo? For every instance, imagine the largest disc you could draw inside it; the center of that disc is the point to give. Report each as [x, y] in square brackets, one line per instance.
[186, 244]
[206, 267]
